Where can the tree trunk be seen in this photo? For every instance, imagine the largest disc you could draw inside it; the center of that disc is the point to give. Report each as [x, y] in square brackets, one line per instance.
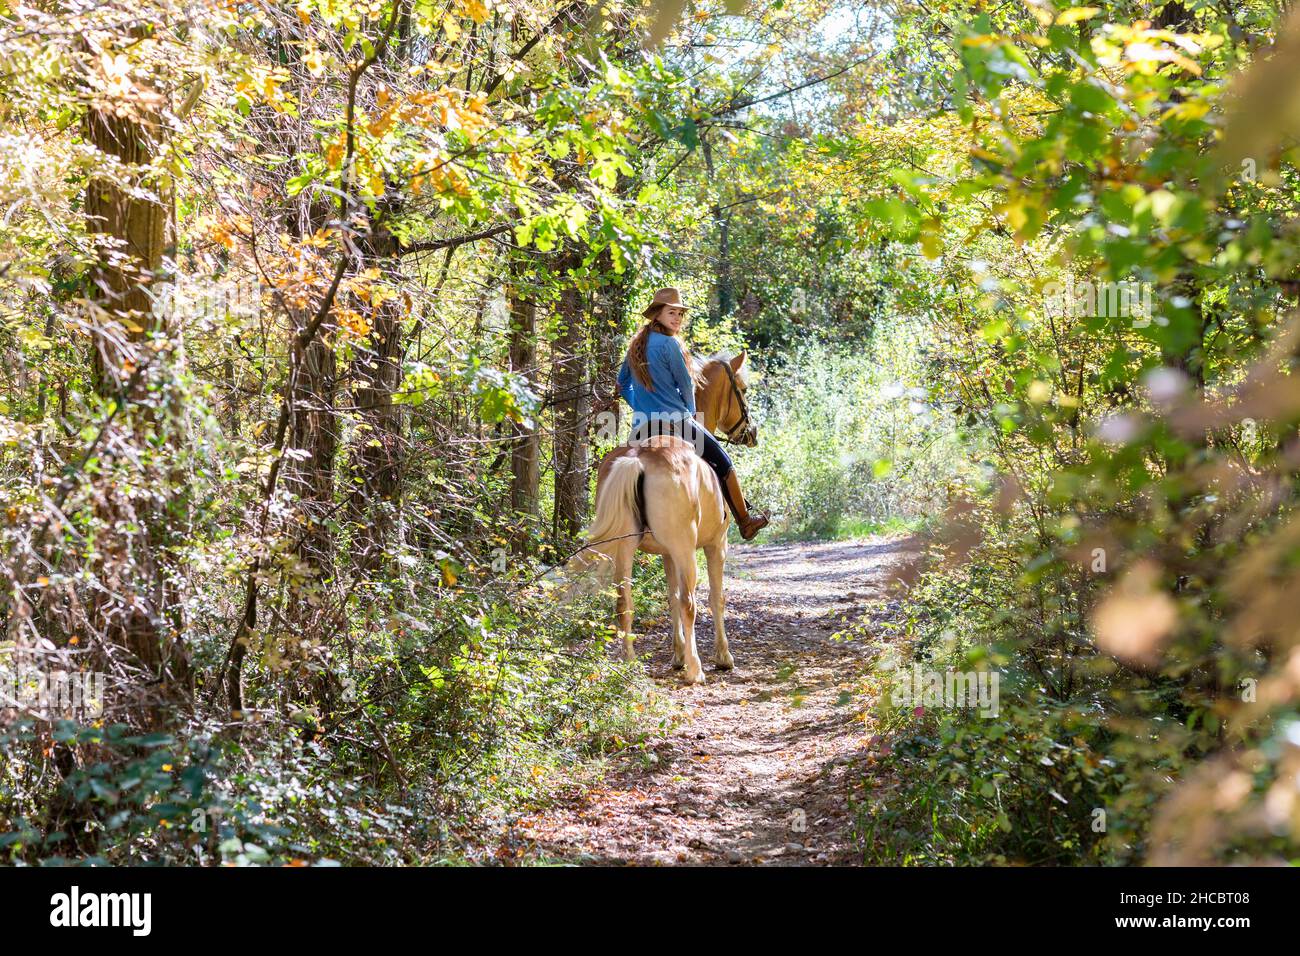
[572, 407]
[523, 361]
[609, 306]
[130, 234]
[313, 431]
[723, 300]
[127, 217]
[377, 456]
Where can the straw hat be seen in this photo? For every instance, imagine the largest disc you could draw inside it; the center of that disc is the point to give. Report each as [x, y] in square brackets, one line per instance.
[665, 297]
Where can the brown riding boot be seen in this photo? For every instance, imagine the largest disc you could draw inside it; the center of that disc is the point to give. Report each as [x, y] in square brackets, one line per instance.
[749, 524]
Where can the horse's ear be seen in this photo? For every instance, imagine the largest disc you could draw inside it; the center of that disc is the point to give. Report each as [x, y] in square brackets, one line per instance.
[738, 362]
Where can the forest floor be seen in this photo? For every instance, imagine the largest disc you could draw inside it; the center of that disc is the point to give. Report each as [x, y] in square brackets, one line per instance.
[766, 763]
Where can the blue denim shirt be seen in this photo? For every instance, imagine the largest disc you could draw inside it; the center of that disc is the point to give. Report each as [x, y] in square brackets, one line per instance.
[673, 394]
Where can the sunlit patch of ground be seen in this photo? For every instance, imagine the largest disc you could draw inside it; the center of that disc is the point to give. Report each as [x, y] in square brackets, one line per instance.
[767, 761]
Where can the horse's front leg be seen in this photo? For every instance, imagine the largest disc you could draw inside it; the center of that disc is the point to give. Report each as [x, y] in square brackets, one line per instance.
[716, 557]
[674, 614]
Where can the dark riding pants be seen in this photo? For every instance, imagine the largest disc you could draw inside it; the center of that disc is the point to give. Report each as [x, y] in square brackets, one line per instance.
[705, 445]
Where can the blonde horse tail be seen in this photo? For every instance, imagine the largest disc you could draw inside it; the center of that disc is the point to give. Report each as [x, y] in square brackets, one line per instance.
[618, 518]
[618, 514]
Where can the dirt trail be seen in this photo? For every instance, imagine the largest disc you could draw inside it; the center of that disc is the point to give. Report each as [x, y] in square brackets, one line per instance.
[763, 769]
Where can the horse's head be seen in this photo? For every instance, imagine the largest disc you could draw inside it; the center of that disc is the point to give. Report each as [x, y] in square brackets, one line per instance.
[721, 397]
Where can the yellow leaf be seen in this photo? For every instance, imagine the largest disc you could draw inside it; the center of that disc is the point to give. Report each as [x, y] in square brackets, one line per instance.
[1043, 16]
[1075, 14]
[1190, 66]
[931, 245]
[1033, 38]
[334, 153]
[1015, 214]
[383, 122]
[1187, 111]
[314, 60]
[476, 10]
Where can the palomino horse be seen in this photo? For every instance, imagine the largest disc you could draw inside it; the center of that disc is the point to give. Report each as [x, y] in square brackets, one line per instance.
[684, 512]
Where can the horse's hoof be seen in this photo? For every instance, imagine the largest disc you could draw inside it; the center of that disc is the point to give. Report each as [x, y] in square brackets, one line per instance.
[678, 665]
[725, 664]
[697, 678]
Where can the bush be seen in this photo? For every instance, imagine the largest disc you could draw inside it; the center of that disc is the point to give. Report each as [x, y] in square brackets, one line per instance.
[846, 438]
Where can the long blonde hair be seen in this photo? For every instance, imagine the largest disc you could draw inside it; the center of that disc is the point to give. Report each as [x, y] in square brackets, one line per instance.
[638, 351]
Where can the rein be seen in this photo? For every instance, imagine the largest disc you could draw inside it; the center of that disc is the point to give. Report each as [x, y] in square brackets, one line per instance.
[743, 423]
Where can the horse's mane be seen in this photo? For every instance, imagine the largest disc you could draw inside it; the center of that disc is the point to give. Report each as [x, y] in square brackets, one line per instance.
[726, 355]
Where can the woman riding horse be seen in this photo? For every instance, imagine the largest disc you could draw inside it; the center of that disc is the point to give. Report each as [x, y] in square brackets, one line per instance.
[656, 380]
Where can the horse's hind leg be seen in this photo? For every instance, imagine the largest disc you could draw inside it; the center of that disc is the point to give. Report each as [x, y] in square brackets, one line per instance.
[716, 557]
[686, 577]
[674, 613]
[623, 575]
